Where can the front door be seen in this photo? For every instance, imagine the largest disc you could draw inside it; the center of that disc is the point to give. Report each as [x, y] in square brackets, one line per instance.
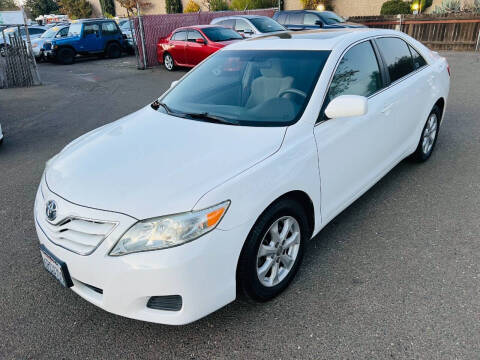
[91, 41]
[195, 52]
[353, 152]
[177, 46]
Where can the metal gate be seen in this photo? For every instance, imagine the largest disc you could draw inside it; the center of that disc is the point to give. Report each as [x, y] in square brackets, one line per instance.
[17, 62]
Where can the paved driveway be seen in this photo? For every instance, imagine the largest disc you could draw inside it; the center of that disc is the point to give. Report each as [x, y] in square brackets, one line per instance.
[396, 275]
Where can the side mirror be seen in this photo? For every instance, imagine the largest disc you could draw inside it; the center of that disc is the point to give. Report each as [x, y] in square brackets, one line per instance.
[248, 32]
[173, 83]
[347, 106]
[319, 23]
[200, 41]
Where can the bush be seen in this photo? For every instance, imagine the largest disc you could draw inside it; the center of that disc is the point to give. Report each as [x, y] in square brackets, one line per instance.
[312, 4]
[395, 7]
[173, 6]
[191, 7]
[217, 5]
[253, 4]
[108, 7]
[448, 7]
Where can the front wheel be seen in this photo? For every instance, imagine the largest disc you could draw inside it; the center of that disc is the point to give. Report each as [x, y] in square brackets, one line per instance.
[66, 56]
[429, 136]
[273, 251]
[168, 62]
[113, 51]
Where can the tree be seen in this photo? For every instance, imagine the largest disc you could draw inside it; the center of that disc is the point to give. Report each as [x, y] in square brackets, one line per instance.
[8, 5]
[108, 7]
[395, 7]
[216, 5]
[173, 6]
[41, 7]
[76, 9]
[314, 4]
[191, 7]
[253, 4]
[131, 5]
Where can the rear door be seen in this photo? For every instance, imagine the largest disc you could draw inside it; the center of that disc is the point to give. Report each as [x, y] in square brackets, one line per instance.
[353, 152]
[408, 90]
[177, 46]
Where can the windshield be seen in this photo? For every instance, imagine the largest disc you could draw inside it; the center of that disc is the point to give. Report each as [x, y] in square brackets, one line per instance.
[221, 34]
[125, 26]
[75, 29]
[266, 24]
[50, 33]
[331, 18]
[252, 88]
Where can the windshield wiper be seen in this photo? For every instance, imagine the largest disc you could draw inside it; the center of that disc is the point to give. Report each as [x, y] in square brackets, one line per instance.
[156, 105]
[211, 118]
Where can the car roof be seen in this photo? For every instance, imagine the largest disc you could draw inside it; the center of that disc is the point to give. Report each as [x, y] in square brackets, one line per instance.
[324, 39]
[197, 27]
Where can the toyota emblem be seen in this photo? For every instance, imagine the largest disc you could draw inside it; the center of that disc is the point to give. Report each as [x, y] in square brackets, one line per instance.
[51, 210]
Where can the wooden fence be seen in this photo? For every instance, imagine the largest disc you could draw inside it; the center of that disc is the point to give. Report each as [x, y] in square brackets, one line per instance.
[439, 32]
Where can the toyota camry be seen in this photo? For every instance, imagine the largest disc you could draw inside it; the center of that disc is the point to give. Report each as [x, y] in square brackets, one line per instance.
[215, 188]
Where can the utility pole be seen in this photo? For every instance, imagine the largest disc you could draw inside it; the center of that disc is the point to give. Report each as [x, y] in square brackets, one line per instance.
[142, 36]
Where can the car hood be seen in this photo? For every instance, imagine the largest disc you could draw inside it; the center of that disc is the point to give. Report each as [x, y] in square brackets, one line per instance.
[150, 164]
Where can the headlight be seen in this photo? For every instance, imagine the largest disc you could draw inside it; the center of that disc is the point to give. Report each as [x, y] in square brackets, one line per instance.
[169, 231]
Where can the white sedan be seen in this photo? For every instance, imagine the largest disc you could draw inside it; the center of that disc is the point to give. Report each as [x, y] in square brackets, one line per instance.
[214, 189]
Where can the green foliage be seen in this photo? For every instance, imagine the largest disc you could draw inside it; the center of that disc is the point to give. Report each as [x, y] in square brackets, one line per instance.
[108, 7]
[8, 5]
[395, 7]
[253, 4]
[448, 7]
[476, 6]
[173, 6]
[76, 9]
[41, 7]
[217, 5]
[314, 4]
[192, 7]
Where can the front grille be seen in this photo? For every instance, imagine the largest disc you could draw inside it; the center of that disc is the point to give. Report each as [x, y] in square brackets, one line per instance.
[79, 235]
[168, 303]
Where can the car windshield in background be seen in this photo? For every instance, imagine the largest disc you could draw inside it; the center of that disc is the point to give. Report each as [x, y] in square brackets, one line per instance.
[50, 33]
[252, 88]
[266, 25]
[221, 34]
[331, 18]
[125, 26]
[75, 29]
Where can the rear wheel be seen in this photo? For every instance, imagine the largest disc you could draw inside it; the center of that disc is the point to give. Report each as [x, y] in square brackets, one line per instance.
[273, 251]
[113, 51]
[429, 136]
[66, 56]
[168, 62]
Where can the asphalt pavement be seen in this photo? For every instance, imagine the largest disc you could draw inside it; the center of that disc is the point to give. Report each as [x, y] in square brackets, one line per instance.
[396, 275]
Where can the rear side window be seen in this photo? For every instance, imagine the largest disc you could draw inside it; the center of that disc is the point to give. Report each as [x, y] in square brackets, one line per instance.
[357, 74]
[397, 57]
[109, 28]
[281, 19]
[34, 31]
[418, 60]
[180, 36]
[89, 29]
[228, 23]
[296, 18]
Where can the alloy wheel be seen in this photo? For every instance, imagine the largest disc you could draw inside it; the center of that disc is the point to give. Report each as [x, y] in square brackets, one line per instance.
[429, 134]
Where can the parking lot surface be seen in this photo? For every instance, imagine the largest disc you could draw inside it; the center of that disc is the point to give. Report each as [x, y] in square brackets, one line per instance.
[396, 275]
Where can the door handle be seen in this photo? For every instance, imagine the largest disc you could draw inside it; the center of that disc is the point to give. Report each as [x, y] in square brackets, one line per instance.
[387, 109]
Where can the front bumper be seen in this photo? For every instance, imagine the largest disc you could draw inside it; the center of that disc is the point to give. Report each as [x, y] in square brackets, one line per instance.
[202, 272]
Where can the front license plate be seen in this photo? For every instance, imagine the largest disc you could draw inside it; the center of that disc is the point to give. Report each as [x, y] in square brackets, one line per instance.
[56, 267]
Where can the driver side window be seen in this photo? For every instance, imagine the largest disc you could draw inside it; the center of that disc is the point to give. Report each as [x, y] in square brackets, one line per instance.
[357, 74]
[91, 29]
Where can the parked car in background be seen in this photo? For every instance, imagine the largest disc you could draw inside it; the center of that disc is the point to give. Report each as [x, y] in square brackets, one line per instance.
[188, 46]
[128, 30]
[249, 25]
[55, 32]
[87, 37]
[34, 31]
[214, 189]
[311, 19]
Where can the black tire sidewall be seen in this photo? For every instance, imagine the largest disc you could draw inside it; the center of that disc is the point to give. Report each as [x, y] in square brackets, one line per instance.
[247, 279]
[419, 155]
[114, 51]
[66, 56]
[165, 64]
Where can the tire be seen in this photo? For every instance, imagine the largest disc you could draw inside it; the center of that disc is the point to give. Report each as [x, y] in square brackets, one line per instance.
[429, 136]
[66, 56]
[168, 62]
[113, 51]
[252, 279]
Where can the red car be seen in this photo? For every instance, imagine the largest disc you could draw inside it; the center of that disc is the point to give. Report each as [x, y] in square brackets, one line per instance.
[187, 46]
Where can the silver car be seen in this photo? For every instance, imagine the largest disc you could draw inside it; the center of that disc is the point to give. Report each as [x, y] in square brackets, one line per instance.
[250, 25]
[34, 31]
[54, 32]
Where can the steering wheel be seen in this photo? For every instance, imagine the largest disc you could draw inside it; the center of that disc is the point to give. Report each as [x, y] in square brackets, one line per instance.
[292, 91]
